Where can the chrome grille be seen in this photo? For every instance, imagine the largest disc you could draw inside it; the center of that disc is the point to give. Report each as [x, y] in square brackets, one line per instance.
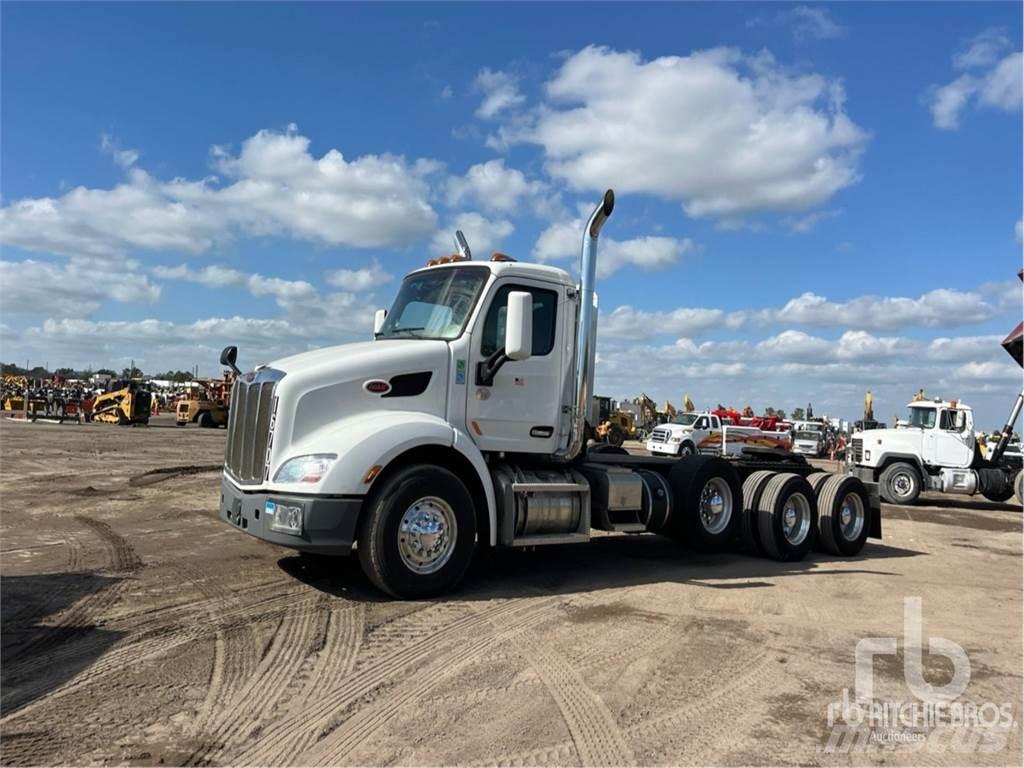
[857, 446]
[253, 404]
[660, 436]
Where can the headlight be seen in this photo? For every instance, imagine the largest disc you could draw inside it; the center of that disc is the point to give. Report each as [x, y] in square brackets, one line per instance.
[867, 455]
[305, 469]
[677, 439]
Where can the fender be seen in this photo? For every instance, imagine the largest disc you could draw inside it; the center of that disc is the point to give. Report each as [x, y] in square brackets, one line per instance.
[889, 458]
[378, 438]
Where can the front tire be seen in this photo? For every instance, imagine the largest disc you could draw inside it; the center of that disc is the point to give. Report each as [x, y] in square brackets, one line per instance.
[687, 449]
[707, 503]
[900, 483]
[419, 533]
[616, 437]
[205, 420]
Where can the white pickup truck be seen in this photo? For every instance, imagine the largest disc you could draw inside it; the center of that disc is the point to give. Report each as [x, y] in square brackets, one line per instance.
[691, 433]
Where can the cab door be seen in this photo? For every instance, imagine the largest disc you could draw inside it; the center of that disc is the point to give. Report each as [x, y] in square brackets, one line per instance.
[953, 444]
[520, 411]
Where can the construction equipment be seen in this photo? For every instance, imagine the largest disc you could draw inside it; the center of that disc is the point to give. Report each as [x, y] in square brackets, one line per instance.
[124, 402]
[617, 428]
[209, 407]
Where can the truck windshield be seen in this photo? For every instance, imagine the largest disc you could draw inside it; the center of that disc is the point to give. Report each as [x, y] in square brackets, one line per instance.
[435, 304]
[924, 418]
[686, 419]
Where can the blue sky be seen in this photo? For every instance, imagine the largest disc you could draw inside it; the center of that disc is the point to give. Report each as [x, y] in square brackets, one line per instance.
[812, 199]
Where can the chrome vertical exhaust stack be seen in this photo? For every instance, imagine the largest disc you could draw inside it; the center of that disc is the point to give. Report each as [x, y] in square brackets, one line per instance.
[586, 326]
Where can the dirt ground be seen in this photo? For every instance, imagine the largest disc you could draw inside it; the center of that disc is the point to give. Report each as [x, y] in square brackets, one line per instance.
[138, 629]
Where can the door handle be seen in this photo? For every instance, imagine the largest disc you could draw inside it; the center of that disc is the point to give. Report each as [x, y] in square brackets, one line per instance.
[541, 431]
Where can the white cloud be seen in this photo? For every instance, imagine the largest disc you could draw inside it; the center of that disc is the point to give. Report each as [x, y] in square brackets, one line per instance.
[990, 79]
[496, 188]
[939, 308]
[274, 186]
[725, 134]
[364, 279]
[795, 345]
[562, 241]
[813, 23]
[988, 371]
[74, 289]
[625, 322]
[485, 236]
[983, 50]
[286, 292]
[1002, 88]
[500, 91]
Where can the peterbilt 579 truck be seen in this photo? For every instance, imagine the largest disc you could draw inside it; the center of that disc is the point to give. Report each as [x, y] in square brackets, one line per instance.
[463, 425]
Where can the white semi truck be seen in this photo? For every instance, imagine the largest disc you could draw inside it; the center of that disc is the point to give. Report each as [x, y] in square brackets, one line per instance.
[935, 449]
[462, 425]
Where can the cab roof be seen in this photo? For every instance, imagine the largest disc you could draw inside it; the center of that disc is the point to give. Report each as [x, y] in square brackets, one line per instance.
[508, 268]
[940, 404]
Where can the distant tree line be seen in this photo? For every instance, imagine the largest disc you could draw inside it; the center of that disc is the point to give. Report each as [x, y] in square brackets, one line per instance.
[132, 372]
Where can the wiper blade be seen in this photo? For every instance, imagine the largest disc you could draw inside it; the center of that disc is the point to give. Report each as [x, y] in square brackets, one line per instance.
[407, 329]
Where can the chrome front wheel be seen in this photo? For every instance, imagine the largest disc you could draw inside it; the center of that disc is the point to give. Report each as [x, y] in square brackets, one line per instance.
[427, 535]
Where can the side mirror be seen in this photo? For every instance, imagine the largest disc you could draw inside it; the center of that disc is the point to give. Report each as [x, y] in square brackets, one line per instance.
[519, 326]
[228, 356]
[378, 321]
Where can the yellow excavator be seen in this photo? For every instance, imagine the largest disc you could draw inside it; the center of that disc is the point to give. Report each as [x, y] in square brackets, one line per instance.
[124, 402]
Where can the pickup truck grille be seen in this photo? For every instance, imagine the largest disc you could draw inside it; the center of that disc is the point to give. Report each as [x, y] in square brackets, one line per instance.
[660, 436]
[857, 449]
[250, 426]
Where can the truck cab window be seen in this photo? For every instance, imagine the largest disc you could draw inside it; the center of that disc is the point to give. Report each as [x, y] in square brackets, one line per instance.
[922, 418]
[950, 421]
[545, 305]
[434, 304]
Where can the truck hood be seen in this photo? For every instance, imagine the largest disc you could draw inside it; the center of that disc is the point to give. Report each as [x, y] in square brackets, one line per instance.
[322, 385]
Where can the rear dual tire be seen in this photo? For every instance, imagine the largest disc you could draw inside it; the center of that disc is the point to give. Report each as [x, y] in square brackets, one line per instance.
[787, 517]
[842, 515]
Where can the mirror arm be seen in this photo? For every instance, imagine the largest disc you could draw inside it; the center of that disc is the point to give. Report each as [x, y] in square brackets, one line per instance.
[487, 369]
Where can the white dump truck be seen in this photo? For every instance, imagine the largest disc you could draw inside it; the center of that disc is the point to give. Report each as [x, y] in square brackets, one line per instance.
[707, 433]
[935, 449]
[463, 425]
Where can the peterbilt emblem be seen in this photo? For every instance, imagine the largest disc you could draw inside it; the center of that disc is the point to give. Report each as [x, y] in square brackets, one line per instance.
[377, 386]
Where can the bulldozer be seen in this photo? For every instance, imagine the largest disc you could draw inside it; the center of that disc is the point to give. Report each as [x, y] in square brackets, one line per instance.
[124, 402]
[209, 408]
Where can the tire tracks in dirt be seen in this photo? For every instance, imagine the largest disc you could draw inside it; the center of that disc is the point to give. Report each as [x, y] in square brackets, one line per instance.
[429, 636]
[594, 730]
[360, 727]
[233, 624]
